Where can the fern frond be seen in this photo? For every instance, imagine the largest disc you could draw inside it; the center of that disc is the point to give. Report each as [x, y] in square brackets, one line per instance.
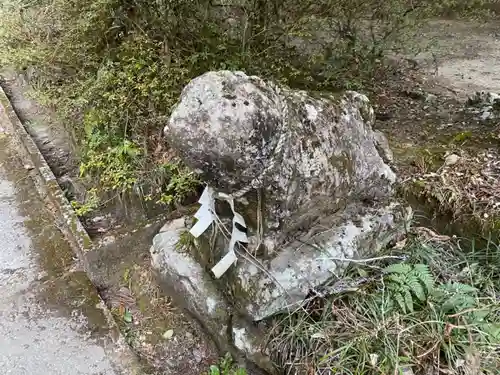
[454, 288]
[492, 330]
[398, 297]
[408, 301]
[397, 279]
[458, 302]
[404, 281]
[423, 273]
[417, 288]
[480, 315]
[399, 268]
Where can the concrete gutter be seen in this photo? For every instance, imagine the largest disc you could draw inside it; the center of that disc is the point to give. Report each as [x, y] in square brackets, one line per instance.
[47, 184]
[65, 218]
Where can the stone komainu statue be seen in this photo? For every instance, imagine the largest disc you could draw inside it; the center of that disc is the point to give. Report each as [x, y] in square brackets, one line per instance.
[310, 178]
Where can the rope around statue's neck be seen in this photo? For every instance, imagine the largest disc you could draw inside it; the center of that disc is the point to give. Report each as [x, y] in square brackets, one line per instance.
[206, 214]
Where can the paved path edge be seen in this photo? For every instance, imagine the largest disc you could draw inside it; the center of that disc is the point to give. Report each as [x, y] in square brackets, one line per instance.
[64, 215]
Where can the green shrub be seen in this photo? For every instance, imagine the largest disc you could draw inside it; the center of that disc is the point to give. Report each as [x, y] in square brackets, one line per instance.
[113, 69]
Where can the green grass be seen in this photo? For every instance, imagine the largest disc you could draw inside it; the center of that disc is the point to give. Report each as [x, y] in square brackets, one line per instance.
[439, 310]
[226, 366]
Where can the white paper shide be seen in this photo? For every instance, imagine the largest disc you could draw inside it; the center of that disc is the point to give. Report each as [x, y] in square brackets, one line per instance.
[206, 216]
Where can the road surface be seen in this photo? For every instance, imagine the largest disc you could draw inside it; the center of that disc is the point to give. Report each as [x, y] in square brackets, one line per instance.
[51, 320]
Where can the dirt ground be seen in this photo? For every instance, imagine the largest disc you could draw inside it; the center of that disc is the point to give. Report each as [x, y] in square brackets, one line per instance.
[425, 115]
[463, 57]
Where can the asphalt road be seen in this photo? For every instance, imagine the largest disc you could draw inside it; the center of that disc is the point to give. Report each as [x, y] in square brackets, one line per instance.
[51, 318]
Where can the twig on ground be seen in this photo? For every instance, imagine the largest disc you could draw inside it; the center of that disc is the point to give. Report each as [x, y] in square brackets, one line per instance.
[364, 260]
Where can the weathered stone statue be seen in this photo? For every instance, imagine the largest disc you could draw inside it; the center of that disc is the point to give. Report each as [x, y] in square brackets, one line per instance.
[309, 177]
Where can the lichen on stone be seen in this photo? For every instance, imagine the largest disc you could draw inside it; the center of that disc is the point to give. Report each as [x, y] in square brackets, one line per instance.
[310, 177]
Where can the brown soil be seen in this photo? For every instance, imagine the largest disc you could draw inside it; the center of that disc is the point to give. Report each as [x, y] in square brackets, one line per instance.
[161, 334]
[423, 111]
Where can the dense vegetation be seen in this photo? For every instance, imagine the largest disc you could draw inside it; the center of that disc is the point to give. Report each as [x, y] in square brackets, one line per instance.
[113, 69]
[436, 311]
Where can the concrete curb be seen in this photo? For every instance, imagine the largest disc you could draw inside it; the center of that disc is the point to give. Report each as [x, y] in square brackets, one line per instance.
[64, 215]
[46, 182]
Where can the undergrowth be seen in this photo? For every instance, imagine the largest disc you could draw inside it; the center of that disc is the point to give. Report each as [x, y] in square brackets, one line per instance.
[226, 366]
[438, 312]
[113, 69]
[469, 196]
